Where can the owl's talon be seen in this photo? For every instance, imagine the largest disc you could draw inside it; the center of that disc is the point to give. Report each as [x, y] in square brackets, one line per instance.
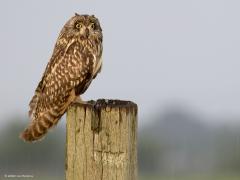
[80, 101]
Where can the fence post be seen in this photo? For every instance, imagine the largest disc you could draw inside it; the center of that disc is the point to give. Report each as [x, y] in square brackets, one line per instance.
[102, 141]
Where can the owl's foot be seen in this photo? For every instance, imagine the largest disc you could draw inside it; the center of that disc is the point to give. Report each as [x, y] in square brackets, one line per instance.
[79, 100]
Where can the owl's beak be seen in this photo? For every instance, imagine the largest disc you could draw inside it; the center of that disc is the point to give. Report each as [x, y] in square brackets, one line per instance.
[87, 32]
[84, 33]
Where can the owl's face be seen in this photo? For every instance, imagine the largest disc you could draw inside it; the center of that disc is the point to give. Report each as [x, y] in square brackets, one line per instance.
[83, 27]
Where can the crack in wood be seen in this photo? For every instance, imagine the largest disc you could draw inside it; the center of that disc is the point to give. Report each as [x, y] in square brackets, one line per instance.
[101, 141]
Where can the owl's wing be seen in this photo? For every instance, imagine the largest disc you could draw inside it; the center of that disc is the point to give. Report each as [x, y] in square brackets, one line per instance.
[65, 76]
[55, 57]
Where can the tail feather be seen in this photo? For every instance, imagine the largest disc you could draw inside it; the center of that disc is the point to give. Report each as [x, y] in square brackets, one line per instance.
[41, 122]
[33, 105]
[39, 127]
[44, 117]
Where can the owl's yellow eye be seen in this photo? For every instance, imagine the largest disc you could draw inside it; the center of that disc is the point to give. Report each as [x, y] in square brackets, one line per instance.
[92, 25]
[78, 25]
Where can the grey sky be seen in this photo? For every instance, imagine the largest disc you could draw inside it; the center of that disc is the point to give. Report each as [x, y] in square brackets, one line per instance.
[156, 53]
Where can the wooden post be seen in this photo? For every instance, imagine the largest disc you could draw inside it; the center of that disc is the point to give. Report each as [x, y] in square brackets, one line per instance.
[102, 141]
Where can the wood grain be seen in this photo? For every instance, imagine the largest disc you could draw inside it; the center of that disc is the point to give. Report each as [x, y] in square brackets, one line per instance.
[102, 141]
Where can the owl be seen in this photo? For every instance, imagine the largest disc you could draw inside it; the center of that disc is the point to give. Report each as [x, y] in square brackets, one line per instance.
[75, 62]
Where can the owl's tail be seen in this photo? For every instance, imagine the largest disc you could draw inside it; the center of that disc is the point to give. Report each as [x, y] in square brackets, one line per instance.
[45, 120]
[40, 126]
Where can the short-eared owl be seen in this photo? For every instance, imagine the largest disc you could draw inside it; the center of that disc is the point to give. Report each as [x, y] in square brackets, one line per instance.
[75, 62]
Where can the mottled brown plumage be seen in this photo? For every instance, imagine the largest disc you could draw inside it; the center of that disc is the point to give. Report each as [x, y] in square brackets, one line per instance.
[75, 62]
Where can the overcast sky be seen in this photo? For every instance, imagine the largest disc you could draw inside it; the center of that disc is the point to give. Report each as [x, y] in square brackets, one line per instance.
[156, 53]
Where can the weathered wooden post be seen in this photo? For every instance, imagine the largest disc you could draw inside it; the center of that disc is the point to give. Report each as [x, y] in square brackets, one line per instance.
[102, 141]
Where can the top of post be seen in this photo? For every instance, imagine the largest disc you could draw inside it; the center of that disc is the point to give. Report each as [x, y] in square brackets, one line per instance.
[104, 103]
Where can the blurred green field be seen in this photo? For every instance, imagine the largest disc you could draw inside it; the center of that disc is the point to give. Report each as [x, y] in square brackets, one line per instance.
[196, 177]
[175, 154]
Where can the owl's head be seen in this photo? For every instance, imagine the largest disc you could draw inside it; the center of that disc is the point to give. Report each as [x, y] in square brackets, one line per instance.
[83, 27]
